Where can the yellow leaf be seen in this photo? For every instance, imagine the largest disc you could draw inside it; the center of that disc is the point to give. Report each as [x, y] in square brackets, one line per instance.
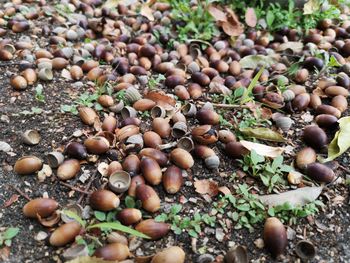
[340, 142]
[311, 6]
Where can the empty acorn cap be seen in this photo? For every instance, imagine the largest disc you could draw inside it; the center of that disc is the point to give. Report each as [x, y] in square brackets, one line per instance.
[185, 143]
[305, 250]
[75, 208]
[55, 159]
[45, 74]
[119, 181]
[31, 137]
[158, 111]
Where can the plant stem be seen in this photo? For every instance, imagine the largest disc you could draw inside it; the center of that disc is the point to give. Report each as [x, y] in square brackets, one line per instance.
[74, 188]
[20, 192]
[225, 106]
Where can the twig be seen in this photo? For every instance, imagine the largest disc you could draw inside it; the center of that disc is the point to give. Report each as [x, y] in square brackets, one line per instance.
[344, 169]
[226, 106]
[74, 188]
[20, 192]
[87, 188]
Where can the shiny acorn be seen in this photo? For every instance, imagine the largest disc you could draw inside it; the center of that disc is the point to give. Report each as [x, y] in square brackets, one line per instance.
[135, 181]
[315, 137]
[68, 169]
[172, 179]
[43, 207]
[97, 145]
[113, 251]
[87, 115]
[152, 139]
[104, 200]
[76, 150]
[151, 170]
[172, 254]
[65, 234]
[149, 198]
[155, 230]
[162, 127]
[275, 236]
[129, 216]
[320, 172]
[235, 150]
[156, 154]
[27, 165]
[132, 164]
[181, 158]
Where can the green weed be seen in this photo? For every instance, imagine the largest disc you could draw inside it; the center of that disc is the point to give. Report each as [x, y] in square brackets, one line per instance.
[7, 236]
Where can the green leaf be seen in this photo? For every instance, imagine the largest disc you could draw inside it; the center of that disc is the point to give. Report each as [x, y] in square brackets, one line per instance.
[129, 202]
[262, 134]
[270, 17]
[243, 207]
[248, 91]
[256, 158]
[100, 216]
[193, 233]
[265, 179]
[277, 162]
[11, 232]
[161, 218]
[8, 242]
[340, 142]
[119, 227]
[175, 209]
[238, 92]
[74, 216]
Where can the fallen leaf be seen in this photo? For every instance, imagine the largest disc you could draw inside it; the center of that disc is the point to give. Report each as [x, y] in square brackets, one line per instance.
[298, 197]
[206, 187]
[232, 26]
[340, 142]
[296, 47]
[225, 190]
[250, 17]
[4, 253]
[12, 200]
[262, 149]
[311, 7]
[265, 134]
[217, 14]
[146, 11]
[161, 98]
[254, 61]
[5, 147]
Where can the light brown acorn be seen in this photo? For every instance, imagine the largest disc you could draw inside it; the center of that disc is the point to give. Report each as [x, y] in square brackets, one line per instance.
[104, 200]
[275, 236]
[172, 179]
[182, 158]
[68, 169]
[151, 170]
[65, 234]
[129, 216]
[114, 251]
[27, 165]
[43, 207]
[155, 230]
[305, 157]
[162, 127]
[149, 198]
[97, 145]
[172, 254]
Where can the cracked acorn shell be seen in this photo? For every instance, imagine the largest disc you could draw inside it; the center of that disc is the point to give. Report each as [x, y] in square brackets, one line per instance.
[172, 179]
[43, 207]
[172, 254]
[275, 236]
[104, 200]
[151, 170]
[155, 230]
[65, 234]
[320, 172]
[68, 169]
[114, 251]
[205, 134]
[149, 198]
[27, 165]
[182, 158]
[129, 216]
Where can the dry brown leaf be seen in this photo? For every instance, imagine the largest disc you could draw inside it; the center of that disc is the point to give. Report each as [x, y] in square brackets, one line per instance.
[206, 187]
[232, 27]
[146, 11]
[217, 14]
[161, 98]
[262, 149]
[250, 17]
[4, 253]
[12, 200]
[224, 190]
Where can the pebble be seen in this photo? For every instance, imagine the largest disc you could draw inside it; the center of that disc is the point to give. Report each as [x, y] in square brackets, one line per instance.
[219, 234]
[259, 243]
[77, 84]
[41, 235]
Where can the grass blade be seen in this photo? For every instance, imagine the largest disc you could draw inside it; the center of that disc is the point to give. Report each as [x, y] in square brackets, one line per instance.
[245, 97]
[119, 227]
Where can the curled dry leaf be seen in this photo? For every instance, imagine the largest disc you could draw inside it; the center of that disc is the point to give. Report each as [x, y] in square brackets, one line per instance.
[298, 197]
[217, 14]
[232, 26]
[263, 149]
[146, 11]
[250, 17]
[161, 98]
[254, 61]
[294, 46]
[206, 187]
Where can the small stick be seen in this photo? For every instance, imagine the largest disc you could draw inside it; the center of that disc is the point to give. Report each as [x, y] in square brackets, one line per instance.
[20, 192]
[87, 188]
[226, 106]
[344, 169]
[74, 188]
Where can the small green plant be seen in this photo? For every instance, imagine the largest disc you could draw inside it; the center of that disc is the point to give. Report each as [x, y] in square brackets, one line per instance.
[180, 224]
[33, 111]
[7, 235]
[245, 119]
[39, 96]
[86, 99]
[270, 173]
[154, 81]
[235, 97]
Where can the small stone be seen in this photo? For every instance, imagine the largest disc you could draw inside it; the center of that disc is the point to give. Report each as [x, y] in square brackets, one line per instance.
[259, 243]
[219, 234]
[291, 233]
[41, 236]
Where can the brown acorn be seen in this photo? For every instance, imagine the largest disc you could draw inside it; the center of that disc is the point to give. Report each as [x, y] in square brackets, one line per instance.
[30, 75]
[109, 124]
[129, 216]
[301, 102]
[152, 139]
[275, 236]
[106, 100]
[339, 102]
[235, 150]
[68, 169]
[172, 254]
[172, 179]
[18, 82]
[144, 105]
[135, 181]
[59, 63]
[226, 136]
[315, 101]
[131, 164]
[195, 90]
[87, 115]
[205, 134]
[333, 91]
[76, 150]
[27, 165]
[315, 137]
[181, 92]
[65, 234]
[206, 116]
[104, 200]
[305, 157]
[43, 207]
[174, 80]
[151, 170]
[155, 230]
[97, 145]
[149, 198]
[114, 251]
[162, 127]
[326, 120]
[182, 158]
[328, 109]
[320, 172]
[156, 154]
[200, 78]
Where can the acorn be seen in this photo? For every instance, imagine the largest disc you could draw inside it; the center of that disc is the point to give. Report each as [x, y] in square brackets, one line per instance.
[114, 251]
[97, 145]
[114, 167]
[210, 117]
[126, 132]
[301, 102]
[152, 139]
[162, 127]
[149, 198]
[109, 124]
[181, 158]
[43, 207]
[320, 172]
[18, 82]
[59, 63]
[76, 150]
[144, 105]
[157, 155]
[339, 102]
[200, 78]
[172, 179]
[181, 92]
[30, 75]
[326, 120]
[155, 230]
[68, 169]
[315, 101]
[174, 80]
[301, 75]
[313, 63]
[65, 234]
[315, 137]
[135, 181]
[104, 200]
[205, 134]
[151, 170]
[328, 109]
[27, 165]
[332, 91]
[235, 150]
[87, 115]
[275, 236]
[172, 254]
[305, 157]
[129, 216]
[195, 90]
[131, 164]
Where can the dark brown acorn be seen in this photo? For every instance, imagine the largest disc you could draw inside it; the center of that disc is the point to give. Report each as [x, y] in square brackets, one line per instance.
[206, 116]
[115, 251]
[129, 216]
[131, 164]
[326, 120]
[135, 181]
[235, 150]
[104, 200]
[172, 179]
[320, 172]
[156, 154]
[76, 150]
[149, 198]
[315, 137]
[275, 236]
[151, 170]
